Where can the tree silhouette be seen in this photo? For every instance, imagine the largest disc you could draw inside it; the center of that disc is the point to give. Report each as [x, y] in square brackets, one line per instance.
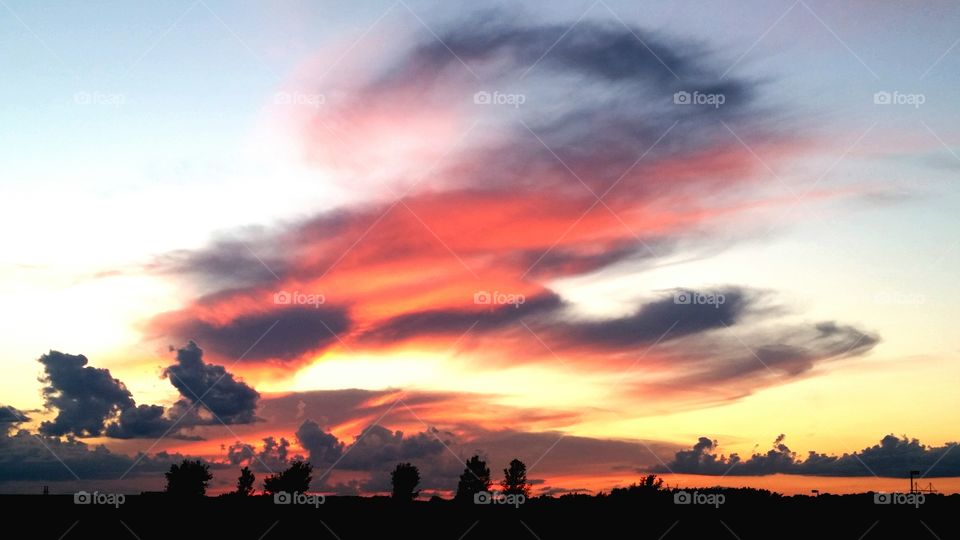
[651, 482]
[189, 478]
[405, 479]
[294, 479]
[515, 479]
[245, 482]
[475, 478]
[649, 485]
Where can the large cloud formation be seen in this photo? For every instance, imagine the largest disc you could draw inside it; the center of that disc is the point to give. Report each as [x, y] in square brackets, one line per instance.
[89, 402]
[892, 457]
[598, 170]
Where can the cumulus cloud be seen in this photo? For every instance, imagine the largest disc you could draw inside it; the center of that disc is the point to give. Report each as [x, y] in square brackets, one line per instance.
[83, 396]
[272, 456]
[377, 446]
[322, 447]
[892, 457]
[212, 387]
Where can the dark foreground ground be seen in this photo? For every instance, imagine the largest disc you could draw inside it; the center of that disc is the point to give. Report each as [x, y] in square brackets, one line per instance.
[742, 517]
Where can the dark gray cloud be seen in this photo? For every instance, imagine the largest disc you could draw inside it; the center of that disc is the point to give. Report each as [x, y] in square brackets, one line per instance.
[284, 334]
[321, 447]
[668, 318]
[560, 261]
[377, 446]
[227, 262]
[377, 450]
[155, 421]
[140, 421]
[892, 457]
[84, 397]
[31, 457]
[546, 313]
[373, 454]
[457, 321]
[599, 98]
[714, 342]
[273, 455]
[10, 415]
[749, 358]
[212, 387]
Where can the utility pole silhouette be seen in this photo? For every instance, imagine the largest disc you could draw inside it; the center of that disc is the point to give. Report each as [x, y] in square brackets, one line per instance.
[912, 474]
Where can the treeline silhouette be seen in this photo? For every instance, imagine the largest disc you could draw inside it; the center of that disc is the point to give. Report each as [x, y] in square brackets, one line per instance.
[645, 509]
[191, 478]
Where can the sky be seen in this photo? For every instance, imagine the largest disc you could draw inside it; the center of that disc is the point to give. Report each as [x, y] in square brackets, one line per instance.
[607, 237]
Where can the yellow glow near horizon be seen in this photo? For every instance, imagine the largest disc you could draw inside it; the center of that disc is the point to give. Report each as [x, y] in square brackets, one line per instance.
[516, 386]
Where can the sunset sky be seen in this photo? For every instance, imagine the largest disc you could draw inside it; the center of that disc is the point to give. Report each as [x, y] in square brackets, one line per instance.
[606, 238]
